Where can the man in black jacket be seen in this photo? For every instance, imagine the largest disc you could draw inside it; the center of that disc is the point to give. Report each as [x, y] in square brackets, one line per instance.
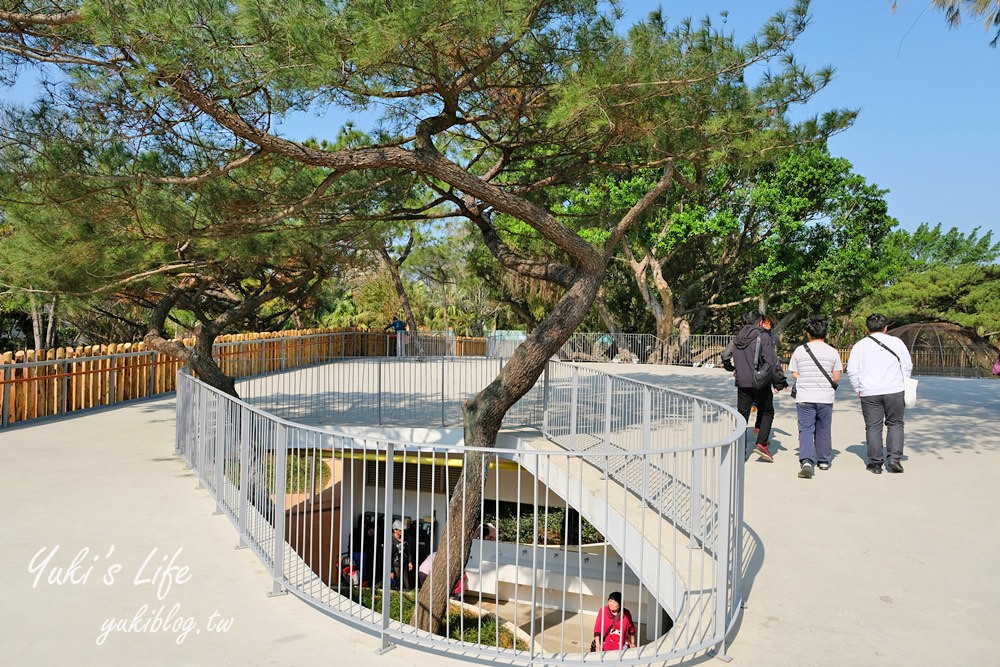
[752, 356]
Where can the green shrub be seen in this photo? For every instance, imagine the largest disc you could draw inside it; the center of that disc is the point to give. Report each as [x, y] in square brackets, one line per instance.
[468, 627]
[519, 527]
[460, 625]
[400, 604]
[301, 473]
[303, 476]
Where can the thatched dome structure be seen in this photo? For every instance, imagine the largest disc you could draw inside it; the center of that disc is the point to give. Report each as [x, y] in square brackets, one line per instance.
[943, 348]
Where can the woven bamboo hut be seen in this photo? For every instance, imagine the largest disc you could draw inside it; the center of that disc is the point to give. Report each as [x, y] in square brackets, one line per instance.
[943, 348]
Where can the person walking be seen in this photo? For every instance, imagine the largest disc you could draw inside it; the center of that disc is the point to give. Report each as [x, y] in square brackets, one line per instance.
[767, 324]
[752, 357]
[816, 368]
[877, 368]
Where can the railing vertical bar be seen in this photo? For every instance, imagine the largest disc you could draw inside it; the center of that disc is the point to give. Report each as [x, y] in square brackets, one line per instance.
[545, 400]
[574, 407]
[220, 437]
[534, 554]
[386, 552]
[696, 474]
[608, 396]
[244, 473]
[722, 554]
[280, 466]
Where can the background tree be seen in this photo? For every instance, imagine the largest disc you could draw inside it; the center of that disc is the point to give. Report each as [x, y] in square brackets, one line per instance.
[966, 295]
[440, 263]
[778, 235]
[826, 247]
[938, 276]
[79, 221]
[928, 247]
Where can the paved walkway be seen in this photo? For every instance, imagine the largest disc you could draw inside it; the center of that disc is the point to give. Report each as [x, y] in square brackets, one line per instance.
[844, 569]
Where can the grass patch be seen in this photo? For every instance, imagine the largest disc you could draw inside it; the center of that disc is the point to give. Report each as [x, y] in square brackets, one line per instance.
[461, 625]
[304, 473]
[485, 631]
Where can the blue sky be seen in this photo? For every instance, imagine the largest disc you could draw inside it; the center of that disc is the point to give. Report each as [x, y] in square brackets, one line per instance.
[928, 97]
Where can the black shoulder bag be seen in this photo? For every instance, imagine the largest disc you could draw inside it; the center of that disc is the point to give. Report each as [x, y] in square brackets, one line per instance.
[593, 644]
[822, 370]
[762, 370]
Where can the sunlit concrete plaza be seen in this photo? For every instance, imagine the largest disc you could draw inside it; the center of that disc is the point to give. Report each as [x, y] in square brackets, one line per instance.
[102, 520]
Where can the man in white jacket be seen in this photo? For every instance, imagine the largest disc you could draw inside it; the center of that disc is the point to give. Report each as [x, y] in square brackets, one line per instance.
[877, 368]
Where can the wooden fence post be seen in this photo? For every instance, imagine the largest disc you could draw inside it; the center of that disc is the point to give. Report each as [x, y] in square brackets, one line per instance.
[8, 379]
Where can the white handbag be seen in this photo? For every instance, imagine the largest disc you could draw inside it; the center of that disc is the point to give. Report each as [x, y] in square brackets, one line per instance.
[909, 392]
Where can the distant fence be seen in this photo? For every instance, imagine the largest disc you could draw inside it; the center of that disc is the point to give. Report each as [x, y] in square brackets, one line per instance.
[44, 383]
[706, 350]
[692, 350]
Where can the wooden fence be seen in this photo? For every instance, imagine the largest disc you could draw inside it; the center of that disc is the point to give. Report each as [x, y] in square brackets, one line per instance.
[43, 383]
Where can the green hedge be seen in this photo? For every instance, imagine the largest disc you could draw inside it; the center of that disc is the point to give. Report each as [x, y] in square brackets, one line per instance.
[301, 473]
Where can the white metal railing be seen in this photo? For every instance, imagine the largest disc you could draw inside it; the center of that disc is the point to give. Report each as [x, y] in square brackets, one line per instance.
[691, 350]
[617, 485]
[57, 382]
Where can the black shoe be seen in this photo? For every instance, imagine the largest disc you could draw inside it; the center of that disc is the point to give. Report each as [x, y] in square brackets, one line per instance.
[823, 465]
[806, 472]
[894, 466]
[874, 467]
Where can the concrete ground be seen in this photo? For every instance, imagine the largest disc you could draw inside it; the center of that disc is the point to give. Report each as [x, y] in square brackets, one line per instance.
[104, 529]
[852, 568]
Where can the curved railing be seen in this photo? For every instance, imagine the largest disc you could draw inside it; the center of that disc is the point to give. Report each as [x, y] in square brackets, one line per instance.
[598, 484]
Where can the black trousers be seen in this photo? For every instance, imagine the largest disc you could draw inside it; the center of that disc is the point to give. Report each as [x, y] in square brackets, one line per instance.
[746, 397]
[887, 409]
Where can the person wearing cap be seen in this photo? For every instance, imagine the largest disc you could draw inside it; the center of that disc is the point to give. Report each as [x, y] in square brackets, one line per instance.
[401, 574]
[614, 629]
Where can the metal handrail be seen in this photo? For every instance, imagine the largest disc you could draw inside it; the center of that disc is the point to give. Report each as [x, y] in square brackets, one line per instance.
[659, 473]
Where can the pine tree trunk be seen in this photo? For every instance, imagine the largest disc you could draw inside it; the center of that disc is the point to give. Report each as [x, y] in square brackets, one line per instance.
[483, 416]
[204, 365]
[36, 322]
[50, 331]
